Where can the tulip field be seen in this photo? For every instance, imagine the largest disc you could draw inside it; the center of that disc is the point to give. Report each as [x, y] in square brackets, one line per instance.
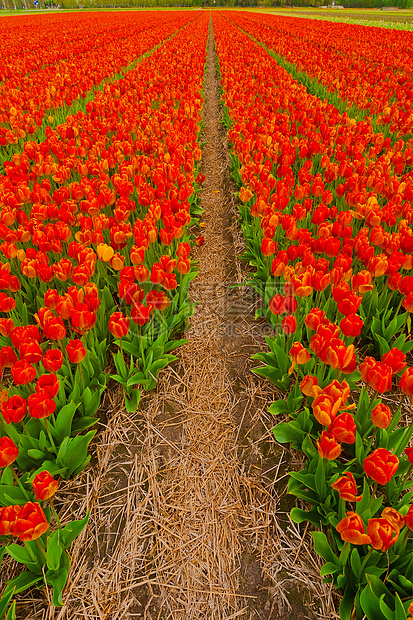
[100, 174]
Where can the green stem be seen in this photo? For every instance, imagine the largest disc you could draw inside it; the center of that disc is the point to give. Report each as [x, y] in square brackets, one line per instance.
[406, 475]
[55, 513]
[19, 484]
[46, 423]
[33, 557]
[370, 442]
[344, 549]
[366, 559]
[28, 434]
[42, 550]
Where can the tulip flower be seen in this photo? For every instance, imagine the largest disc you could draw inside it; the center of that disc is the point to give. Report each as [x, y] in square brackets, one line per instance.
[30, 522]
[408, 518]
[54, 328]
[23, 372]
[8, 516]
[76, 352]
[53, 360]
[381, 465]
[8, 451]
[327, 446]
[409, 453]
[377, 375]
[268, 247]
[50, 383]
[381, 416]
[140, 314]
[299, 355]
[31, 351]
[347, 487]
[382, 533]
[351, 325]
[395, 359]
[7, 357]
[362, 282]
[309, 386]
[14, 409]
[325, 409]
[158, 300]
[343, 428]
[277, 305]
[394, 517]
[82, 319]
[406, 382]
[289, 324]
[44, 486]
[118, 325]
[351, 529]
[40, 405]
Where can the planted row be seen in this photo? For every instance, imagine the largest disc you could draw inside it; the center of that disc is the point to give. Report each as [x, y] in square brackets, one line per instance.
[95, 248]
[332, 265]
[38, 96]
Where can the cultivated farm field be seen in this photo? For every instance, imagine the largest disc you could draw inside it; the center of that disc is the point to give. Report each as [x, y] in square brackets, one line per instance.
[206, 292]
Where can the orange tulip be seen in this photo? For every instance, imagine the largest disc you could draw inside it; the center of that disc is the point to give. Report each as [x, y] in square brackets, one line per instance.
[351, 529]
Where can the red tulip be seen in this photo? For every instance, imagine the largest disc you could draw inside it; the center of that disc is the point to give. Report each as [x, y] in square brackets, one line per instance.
[44, 486]
[14, 409]
[76, 352]
[40, 405]
[23, 372]
[381, 465]
[328, 448]
[30, 522]
[351, 529]
[347, 488]
[8, 451]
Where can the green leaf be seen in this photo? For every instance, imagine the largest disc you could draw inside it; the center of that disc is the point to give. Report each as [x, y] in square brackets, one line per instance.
[82, 424]
[385, 609]
[63, 424]
[57, 579]
[20, 583]
[347, 604]
[91, 401]
[323, 548]
[308, 480]
[132, 401]
[72, 531]
[287, 432]
[5, 600]
[278, 407]
[76, 452]
[36, 455]
[328, 569]
[399, 611]
[6, 478]
[298, 516]
[355, 563]
[11, 614]
[370, 603]
[173, 344]
[22, 555]
[53, 551]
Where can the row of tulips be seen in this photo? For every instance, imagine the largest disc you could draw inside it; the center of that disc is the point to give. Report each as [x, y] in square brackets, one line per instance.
[363, 69]
[95, 256]
[91, 49]
[327, 218]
